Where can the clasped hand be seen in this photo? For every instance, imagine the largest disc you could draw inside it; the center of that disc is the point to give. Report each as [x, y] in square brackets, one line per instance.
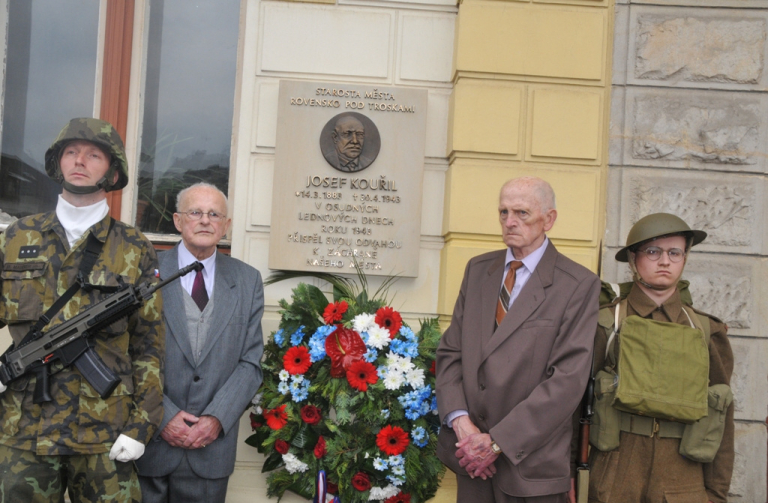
[474, 449]
[188, 431]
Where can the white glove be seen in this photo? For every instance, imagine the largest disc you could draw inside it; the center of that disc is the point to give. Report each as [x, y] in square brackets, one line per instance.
[126, 449]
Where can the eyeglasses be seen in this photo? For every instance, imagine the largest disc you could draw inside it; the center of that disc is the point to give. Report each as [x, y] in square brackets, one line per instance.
[197, 215]
[654, 253]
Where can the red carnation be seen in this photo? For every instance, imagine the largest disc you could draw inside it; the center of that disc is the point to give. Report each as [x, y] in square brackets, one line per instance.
[392, 440]
[255, 424]
[281, 446]
[276, 418]
[399, 498]
[310, 414]
[432, 368]
[334, 311]
[296, 360]
[333, 488]
[361, 482]
[360, 374]
[388, 318]
[344, 347]
[320, 450]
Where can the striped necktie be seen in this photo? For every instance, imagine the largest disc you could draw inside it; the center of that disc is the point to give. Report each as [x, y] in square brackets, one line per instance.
[506, 291]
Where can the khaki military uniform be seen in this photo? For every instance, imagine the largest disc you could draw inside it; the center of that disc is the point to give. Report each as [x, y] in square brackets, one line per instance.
[646, 469]
[78, 421]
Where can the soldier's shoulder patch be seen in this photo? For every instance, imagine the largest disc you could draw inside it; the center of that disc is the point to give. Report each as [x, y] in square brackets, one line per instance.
[29, 252]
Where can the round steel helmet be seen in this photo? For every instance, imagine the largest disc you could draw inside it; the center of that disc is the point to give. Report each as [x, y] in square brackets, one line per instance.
[100, 133]
[654, 226]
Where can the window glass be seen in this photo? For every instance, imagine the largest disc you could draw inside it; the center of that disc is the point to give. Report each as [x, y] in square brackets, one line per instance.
[49, 79]
[188, 104]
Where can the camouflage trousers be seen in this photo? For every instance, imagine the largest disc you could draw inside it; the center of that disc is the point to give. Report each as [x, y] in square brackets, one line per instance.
[28, 478]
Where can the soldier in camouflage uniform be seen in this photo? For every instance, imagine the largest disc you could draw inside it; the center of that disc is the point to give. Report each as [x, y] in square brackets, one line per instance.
[79, 442]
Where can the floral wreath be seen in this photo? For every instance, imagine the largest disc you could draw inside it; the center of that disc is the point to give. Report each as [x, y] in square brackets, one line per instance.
[348, 394]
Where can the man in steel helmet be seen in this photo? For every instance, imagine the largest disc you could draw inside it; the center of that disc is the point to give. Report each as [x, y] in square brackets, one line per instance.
[79, 442]
[656, 455]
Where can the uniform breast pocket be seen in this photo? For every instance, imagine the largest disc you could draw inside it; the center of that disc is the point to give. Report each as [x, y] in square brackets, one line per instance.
[24, 291]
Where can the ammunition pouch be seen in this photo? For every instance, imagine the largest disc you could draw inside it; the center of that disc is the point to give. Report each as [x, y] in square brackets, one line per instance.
[604, 431]
[701, 440]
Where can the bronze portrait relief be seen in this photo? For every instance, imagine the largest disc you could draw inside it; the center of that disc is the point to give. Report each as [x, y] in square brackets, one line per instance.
[350, 142]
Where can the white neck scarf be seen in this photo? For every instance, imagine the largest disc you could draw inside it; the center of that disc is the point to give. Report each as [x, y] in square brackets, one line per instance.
[76, 220]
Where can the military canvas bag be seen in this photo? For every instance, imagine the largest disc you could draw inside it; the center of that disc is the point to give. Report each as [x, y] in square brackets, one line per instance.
[663, 370]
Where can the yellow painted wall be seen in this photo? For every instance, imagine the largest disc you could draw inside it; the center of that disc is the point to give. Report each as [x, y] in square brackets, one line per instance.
[531, 90]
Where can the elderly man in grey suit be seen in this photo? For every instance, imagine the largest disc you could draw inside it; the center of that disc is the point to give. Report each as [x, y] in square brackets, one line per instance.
[213, 349]
[513, 364]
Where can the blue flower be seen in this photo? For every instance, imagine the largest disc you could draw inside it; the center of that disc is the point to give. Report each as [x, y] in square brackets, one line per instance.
[279, 338]
[297, 336]
[408, 333]
[385, 413]
[371, 355]
[404, 348]
[283, 387]
[396, 460]
[396, 481]
[398, 470]
[380, 464]
[420, 438]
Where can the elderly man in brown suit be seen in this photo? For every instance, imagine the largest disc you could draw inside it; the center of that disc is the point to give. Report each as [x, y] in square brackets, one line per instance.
[513, 365]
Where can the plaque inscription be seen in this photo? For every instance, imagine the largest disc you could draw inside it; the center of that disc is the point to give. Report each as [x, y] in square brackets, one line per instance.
[348, 179]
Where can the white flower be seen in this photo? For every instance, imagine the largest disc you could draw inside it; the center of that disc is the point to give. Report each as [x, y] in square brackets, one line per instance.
[382, 493]
[399, 363]
[284, 375]
[293, 465]
[256, 399]
[297, 379]
[415, 377]
[393, 381]
[363, 322]
[378, 337]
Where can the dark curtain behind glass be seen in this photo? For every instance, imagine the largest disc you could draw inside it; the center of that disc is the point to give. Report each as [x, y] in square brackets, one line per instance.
[49, 79]
[188, 104]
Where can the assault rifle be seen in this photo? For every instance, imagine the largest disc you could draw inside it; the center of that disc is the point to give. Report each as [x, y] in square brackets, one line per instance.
[69, 343]
[582, 458]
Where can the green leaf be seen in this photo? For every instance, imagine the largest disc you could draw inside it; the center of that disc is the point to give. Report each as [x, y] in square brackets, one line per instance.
[275, 460]
[305, 438]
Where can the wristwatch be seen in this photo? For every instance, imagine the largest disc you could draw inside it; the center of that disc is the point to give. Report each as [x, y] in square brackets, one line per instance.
[495, 447]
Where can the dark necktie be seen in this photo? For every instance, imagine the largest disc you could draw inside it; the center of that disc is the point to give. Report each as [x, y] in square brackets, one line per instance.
[506, 291]
[199, 294]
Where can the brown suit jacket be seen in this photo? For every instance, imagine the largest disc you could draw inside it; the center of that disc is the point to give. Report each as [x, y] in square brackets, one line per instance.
[521, 382]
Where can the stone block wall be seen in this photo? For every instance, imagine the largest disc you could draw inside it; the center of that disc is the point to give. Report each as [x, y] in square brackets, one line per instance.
[689, 136]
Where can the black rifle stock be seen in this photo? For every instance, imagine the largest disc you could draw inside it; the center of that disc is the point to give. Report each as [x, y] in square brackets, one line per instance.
[582, 458]
[68, 342]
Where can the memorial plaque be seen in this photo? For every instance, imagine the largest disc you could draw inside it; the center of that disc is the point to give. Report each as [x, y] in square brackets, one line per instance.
[347, 188]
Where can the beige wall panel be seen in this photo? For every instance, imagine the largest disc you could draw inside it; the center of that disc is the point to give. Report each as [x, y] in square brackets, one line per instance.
[438, 103]
[584, 256]
[432, 200]
[537, 40]
[259, 194]
[486, 116]
[425, 47]
[472, 191]
[326, 40]
[264, 115]
[565, 123]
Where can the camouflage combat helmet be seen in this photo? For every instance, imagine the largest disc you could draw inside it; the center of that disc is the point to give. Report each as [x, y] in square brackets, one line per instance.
[655, 226]
[100, 133]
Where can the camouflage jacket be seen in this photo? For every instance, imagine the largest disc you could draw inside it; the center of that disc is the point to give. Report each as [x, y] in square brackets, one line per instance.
[78, 420]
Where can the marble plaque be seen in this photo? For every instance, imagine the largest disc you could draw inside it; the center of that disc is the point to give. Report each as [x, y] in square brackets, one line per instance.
[348, 176]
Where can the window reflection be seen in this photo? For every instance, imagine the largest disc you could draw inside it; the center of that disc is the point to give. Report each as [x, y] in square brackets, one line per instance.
[188, 104]
[49, 79]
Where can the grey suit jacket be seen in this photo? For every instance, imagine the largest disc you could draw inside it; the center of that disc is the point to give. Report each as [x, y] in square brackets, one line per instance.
[228, 374]
[522, 382]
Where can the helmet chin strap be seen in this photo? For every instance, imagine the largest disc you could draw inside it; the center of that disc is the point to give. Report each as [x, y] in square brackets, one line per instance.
[89, 189]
